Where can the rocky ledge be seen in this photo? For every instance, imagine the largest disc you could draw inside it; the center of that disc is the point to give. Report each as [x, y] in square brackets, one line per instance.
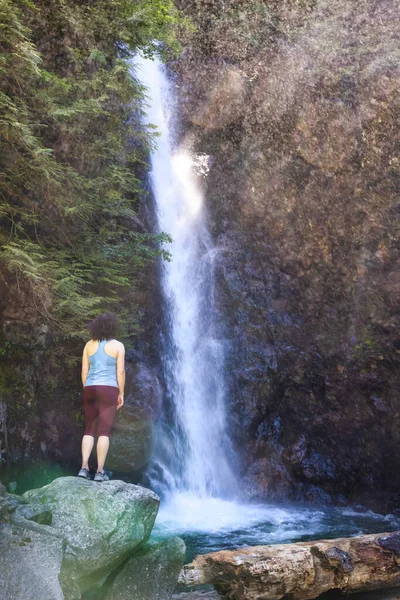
[74, 538]
[300, 571]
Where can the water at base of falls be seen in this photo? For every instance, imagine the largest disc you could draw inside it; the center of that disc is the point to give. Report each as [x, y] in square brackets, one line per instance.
[208, 525]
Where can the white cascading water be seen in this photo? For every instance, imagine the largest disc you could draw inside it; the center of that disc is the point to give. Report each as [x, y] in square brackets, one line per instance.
[193, 449]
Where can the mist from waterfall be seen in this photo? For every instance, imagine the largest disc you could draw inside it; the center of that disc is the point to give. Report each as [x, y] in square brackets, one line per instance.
[192, 445]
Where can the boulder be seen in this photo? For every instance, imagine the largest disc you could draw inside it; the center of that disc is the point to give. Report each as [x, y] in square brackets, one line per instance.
[143, 391]
[21, 511]
[131, 441]
[102, 525]
[31, 558]
[152, 574]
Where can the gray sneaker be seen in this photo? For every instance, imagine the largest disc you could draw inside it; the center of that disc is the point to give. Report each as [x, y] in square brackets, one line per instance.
[101, 476]
[84, 473]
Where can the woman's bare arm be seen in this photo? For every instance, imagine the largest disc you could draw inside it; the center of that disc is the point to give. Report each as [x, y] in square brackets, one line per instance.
[121, 375]
[85, 366]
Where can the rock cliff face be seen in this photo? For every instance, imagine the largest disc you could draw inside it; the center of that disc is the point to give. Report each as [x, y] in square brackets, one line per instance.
[296, 103]
[41, 414]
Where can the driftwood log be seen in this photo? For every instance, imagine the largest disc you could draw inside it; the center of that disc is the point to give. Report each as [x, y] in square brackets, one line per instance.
[300, 571]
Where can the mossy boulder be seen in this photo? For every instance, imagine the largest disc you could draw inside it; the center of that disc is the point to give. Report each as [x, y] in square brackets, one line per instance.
[132, 437]
[31, 553]
[151, 574]
[30, 563]
[102, 524]
[131, 442]
[75, 539]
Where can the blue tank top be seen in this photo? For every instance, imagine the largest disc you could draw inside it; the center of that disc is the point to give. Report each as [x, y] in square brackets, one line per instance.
[103, 368]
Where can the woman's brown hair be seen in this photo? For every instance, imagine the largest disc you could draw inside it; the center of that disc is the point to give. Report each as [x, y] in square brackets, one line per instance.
[104, 327]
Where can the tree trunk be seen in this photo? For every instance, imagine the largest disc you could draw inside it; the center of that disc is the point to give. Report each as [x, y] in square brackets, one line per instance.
[300, 571]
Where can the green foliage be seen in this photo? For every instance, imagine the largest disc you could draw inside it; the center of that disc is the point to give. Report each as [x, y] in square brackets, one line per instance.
[72, 150]
[4, 348]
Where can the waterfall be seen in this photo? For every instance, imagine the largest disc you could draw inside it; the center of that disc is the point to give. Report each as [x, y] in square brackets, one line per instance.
[193, 447]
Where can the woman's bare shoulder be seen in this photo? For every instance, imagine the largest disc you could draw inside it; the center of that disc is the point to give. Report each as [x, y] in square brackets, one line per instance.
[89, 344]
[117, 345]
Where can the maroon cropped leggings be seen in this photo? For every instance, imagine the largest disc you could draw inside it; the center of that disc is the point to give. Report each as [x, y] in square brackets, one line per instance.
[100, 405]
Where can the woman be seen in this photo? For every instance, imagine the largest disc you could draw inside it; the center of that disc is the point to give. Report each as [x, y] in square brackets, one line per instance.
[103, 380]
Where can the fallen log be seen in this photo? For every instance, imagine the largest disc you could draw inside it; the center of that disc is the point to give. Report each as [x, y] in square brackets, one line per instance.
[300, 571]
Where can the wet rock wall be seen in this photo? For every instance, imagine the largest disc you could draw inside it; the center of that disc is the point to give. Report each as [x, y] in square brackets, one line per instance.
[296, 105]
